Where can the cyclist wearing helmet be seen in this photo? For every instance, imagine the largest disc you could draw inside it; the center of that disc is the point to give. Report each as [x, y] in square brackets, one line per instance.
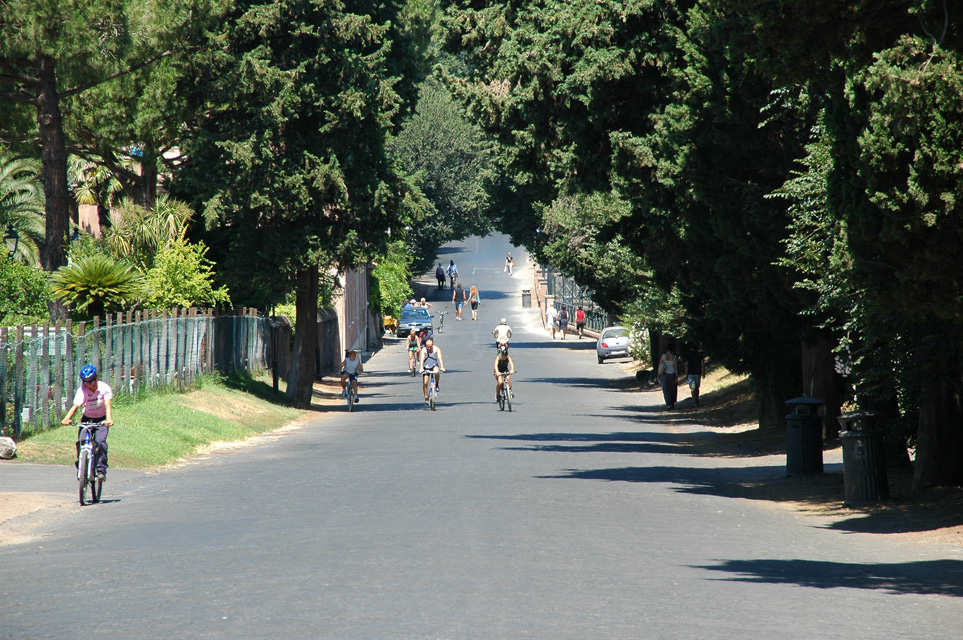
[504, 368]
[96, 399]
[502, 333]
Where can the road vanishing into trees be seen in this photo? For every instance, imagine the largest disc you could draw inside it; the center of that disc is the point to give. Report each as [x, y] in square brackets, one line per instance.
[581, 515]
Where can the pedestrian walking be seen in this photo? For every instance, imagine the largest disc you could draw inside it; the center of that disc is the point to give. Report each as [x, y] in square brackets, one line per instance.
[551, 318]
[440, 276]
[668, 376]
[580, 321]
[563, 321]
[695, 370]
[509, 263]
[473, 300]
[458, 298]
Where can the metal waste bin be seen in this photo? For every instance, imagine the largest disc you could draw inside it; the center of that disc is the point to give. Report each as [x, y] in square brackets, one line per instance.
[804, 436]
[864, 461]
[527, 298]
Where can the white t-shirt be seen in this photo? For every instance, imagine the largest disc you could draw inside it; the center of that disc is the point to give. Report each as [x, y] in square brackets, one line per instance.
[550, 314]
[94, 402]
[502, 333]
[351, 366]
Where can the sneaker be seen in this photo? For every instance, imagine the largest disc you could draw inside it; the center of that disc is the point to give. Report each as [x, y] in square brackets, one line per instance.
[101, 476]
[356, 399]
[497, 397]
[426, 402]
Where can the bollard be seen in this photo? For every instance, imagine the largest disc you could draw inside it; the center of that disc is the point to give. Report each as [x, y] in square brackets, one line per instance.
[864, 462]
[804, 437]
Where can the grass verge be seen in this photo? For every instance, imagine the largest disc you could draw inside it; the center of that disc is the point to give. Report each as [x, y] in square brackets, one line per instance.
[163, 426]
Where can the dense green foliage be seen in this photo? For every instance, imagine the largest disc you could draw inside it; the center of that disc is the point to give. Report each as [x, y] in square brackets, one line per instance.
[643, 141]
[182, 276]
[451, 162]
[55, 51]
[24, 294]
[391, 280]
[97, 284]
[21, 207]
[289, 165]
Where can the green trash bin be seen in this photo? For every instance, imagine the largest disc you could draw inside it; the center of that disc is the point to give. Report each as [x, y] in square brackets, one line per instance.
[804, 437]
[864, 458]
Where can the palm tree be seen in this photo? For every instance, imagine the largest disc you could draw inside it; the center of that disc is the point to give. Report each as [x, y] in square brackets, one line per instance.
[95, 284]
[21, 206]
[140, 234]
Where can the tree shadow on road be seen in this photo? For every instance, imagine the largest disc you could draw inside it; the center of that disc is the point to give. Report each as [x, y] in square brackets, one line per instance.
[928, 577]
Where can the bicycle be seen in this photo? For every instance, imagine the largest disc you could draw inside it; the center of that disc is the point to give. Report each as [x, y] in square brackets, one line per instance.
[432, 389]
[505, 394]
[350, 392]
[86, 472]
[441, 321]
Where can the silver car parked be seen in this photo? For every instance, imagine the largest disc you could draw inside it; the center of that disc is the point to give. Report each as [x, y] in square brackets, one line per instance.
[613, 343]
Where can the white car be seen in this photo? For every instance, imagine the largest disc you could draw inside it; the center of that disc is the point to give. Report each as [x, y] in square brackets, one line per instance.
[613, 343]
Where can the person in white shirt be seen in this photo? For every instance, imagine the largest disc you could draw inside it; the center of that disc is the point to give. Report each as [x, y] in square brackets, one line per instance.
[551, 318]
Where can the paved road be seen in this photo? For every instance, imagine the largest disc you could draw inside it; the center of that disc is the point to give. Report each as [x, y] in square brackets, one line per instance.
[579, 515]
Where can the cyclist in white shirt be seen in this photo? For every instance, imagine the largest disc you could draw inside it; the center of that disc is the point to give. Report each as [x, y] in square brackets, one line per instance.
[502, 332]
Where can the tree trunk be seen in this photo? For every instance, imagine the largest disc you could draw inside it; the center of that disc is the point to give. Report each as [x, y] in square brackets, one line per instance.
[775, 380]
[822, 382]
[301, 380]
[145, 189]
[53, 155]
[939, 439]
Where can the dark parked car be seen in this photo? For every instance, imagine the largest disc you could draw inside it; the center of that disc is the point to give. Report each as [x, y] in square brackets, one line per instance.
[413, 320]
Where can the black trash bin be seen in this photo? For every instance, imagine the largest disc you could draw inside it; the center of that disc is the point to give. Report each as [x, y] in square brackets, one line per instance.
[527, 298]
[864, 459]
[804, 437]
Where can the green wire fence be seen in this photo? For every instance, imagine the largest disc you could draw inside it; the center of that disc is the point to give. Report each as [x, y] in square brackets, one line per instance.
[40, 364]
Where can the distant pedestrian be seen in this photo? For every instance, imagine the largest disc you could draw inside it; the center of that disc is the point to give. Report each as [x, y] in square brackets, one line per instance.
[473, 300]
[551, 318]
[509, 263]
[440, 276]
[580, 321]
[563, 321]
[458, 298]
[669, 376]
[695, 370]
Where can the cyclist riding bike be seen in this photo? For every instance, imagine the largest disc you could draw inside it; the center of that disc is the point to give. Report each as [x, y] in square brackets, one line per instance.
[502, 333]
[413, 344]
[504, 368]
[97, 400]
[430, 360]
[350, 368]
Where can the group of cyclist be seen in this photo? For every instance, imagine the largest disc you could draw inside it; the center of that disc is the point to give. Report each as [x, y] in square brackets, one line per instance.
[426, 357]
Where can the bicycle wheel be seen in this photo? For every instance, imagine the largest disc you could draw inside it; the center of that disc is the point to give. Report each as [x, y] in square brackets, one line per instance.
[432, 392]
[501, 399]
[96, 487]
[83, 468]
[350, 400]
[508, 397]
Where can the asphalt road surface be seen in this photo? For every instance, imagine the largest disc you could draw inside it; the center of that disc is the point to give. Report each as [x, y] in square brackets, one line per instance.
[578, 515]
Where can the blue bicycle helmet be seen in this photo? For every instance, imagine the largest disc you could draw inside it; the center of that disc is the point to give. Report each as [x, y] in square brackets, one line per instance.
[88, 372]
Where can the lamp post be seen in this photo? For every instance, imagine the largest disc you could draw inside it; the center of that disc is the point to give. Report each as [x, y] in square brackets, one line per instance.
[11, 234]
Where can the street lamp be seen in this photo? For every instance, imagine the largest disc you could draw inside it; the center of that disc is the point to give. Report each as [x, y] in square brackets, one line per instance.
[11, 234]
